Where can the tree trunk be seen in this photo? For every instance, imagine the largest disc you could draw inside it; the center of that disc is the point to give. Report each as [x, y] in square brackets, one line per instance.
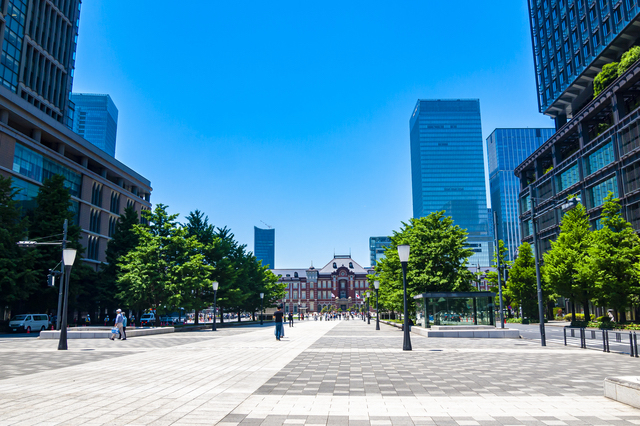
[238, 316]
[221, 314]
[623, 316]
[587, 315]
[254, 316]
[196, 320]
[573, 311]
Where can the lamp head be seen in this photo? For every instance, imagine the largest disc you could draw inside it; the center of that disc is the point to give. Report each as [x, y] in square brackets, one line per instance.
[68, 255]
[376, 284]
[403, 252]
[261, 295]
[215, 285]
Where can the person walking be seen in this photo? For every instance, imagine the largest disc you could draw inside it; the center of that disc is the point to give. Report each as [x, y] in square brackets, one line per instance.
[278, 317]
[118, 324]
[124, 327]
[290, 319]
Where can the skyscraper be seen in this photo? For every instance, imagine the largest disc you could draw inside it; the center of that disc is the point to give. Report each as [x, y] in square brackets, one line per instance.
[506, 148]
[595, 149]
[264, 241]
[96, 120]
[39, 52]
[447, 168]
[377, 246]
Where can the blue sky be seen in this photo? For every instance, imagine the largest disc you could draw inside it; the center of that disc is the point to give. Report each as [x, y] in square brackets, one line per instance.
[297, 114]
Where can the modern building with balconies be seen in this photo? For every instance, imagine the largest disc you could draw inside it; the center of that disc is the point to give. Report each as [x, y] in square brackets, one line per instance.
[596, 147]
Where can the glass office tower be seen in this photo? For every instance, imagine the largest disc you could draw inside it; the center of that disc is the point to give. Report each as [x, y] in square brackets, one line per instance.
[264, 242]
[447, 168]
[96, 120]
[377, 246]
[506, 149]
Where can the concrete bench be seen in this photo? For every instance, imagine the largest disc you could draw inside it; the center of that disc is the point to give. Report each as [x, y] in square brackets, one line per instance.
[624, 389]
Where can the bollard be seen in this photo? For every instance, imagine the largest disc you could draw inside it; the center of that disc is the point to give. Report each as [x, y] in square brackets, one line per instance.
[631, 344]
[565, 336]
[583, 334]
[635, 342]
[607, 334]
[604, 343]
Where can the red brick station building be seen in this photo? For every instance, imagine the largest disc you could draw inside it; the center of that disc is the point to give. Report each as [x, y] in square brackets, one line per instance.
[341, 283]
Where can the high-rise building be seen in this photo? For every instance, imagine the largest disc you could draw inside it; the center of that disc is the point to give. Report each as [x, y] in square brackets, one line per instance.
[96, 120]
[39, 52]
[377, 246]
[572, 41]
[36, 140]
[595, 149]
[447, 168]
[264, 242]
[506, 148]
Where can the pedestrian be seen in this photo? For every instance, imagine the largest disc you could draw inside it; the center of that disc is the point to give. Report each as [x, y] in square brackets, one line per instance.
[118, 324]
[290, 319]
[106, 320]
[278, 317]
[124, 327]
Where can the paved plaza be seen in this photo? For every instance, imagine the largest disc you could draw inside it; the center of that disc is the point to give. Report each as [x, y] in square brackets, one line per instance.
[321, 373]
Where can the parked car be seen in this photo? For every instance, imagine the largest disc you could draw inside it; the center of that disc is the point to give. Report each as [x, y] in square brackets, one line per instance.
[148, 319]
[29, 322]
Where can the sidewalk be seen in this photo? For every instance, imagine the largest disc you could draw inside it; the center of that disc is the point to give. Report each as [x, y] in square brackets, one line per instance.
[342, 373]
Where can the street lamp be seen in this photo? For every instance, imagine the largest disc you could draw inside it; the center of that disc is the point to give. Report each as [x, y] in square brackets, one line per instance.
[403, 254]
[368, 317]
[376, 284]
[261, 310]
[215, 295]
[68, 256]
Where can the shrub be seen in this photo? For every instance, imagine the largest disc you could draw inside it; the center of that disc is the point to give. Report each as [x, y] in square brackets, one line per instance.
[604, 318]
[628, 58]
[579, 317]
[514, 320]
[604, 78]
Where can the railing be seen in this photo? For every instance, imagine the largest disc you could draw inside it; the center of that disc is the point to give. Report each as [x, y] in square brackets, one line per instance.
[600, 339]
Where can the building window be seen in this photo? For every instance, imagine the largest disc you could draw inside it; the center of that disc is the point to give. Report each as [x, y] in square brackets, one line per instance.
[112, 226]
[595, 40]
[599, 192]
[601, 158]
[94, 221]
[96, 195]
[114, 206]
[568, 178]
[93, 248]
[605, 28]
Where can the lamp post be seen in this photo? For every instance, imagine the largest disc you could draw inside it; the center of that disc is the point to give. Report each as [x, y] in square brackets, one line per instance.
[403, 254]
[215, 296]
[68, 256]
[368, 317]
[261, 310]
[312, 279]
[376, 284]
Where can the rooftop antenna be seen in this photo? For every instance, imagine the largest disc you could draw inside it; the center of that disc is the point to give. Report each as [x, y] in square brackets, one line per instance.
[268, 226]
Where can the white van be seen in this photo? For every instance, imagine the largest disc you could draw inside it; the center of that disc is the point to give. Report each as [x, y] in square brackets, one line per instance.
[29, 322]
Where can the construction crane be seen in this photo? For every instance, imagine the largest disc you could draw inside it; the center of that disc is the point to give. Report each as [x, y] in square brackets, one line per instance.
[268, 226]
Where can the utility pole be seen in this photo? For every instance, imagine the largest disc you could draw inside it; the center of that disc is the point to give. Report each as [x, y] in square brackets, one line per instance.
[495, 231]
[64, 246]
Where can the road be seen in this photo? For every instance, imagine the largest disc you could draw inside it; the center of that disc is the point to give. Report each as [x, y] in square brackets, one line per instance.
[555, 335]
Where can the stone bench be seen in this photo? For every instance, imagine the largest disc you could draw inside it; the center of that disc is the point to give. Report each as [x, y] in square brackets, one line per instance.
[624, 389]
[103, 332]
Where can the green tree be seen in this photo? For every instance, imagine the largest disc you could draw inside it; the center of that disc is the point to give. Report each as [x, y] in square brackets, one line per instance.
[18, 280]
[521, 285]
[613, 264]
[122, 242]
[437, 262]
[628, 58]
[566, 256]
[53, 207]
[166, 269]
[604, 78]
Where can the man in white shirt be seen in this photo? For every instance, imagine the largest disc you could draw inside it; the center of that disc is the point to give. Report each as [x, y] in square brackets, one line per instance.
[119, 324]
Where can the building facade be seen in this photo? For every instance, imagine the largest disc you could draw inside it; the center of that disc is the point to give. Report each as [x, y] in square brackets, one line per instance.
[96, 120]
[38, 53]
[595, 149]
[506, 149]
[377, 246]
[342, 284]
[572, 40]
[447, 168]
[264, 246]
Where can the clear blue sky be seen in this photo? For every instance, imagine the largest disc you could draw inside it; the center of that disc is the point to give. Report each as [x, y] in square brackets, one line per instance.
[297, 113]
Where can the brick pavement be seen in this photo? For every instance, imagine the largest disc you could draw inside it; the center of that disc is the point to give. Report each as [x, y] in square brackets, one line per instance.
[329, 373]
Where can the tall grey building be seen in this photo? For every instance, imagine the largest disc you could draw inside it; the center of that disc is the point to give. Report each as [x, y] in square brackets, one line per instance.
[447, 168]
[39, 52]
[96, 120]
